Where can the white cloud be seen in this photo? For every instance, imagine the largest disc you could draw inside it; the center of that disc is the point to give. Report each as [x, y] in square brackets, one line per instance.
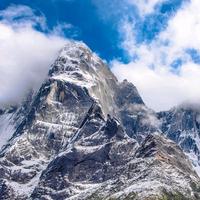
[184, 29]
[60, 28]
[160, 88]
[25, 53]
[16, 11]
[159, 84]
[20, 15]
[145, 6]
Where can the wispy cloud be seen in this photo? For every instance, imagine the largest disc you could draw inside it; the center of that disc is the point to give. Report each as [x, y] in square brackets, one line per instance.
[65, 29]
[20, 15]
[145, 7]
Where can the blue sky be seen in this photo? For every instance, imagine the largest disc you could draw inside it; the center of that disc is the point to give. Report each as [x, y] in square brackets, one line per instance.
[155, 44]
[96, 21]
[100, 35]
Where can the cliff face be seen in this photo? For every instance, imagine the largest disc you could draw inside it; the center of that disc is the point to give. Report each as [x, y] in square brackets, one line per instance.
[84, 135]
[182, 125]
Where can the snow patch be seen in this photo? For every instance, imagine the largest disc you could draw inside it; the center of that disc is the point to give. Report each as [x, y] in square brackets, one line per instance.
[7, 128]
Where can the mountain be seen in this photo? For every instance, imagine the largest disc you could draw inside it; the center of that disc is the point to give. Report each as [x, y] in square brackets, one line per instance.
[84, 135]
[182, 125]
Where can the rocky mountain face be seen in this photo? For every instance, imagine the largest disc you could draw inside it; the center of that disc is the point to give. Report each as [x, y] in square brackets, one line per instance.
[84, 135]
[182, 125]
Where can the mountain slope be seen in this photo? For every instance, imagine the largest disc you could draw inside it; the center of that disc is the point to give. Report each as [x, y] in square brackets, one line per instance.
[104, 166]
[82, 136]
[181, 124]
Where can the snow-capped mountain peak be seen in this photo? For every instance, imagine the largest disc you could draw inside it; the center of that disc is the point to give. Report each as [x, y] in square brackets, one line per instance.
[84, 135]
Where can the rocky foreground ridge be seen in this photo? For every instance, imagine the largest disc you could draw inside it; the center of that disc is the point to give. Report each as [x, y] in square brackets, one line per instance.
[84, 135]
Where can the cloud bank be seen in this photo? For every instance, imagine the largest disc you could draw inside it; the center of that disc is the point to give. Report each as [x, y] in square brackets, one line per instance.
[166, 71]
[25, 53]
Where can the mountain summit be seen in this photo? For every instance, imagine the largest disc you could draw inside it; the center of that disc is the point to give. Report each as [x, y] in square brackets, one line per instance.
[84, 135]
